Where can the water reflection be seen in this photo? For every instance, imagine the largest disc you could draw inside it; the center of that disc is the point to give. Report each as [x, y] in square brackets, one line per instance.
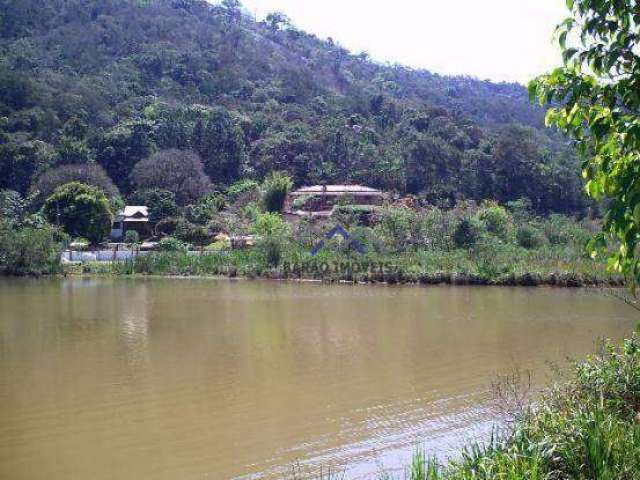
[180, 378]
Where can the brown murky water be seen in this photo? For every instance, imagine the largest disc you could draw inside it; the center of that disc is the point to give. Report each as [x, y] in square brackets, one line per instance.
[194, 379]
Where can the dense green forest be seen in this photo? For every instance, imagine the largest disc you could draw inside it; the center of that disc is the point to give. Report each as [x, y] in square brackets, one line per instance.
[95, 86]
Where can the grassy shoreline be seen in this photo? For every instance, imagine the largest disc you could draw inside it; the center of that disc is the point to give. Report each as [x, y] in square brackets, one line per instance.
[419, 268]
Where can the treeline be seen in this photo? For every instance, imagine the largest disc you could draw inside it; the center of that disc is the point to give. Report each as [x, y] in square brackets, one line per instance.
[90, 90]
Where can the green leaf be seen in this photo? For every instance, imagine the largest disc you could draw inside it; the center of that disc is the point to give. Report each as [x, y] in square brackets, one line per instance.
[568, 54]
[594, 189]
[562, 40]
[636, 214]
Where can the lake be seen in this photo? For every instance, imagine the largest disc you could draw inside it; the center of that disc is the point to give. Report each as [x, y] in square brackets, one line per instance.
[123, 378]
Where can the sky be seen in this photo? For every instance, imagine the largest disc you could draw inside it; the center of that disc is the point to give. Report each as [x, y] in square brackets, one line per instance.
[500, 40]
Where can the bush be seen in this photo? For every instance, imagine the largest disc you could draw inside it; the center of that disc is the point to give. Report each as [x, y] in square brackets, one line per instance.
[467, 233]
[218, 246]
[399, 227]
[529, 237]
[131, 237]
[299, 203]
[367, 237]
[520, 209]
[273, 234]
[561, 230]
[205, 209]
[191, 233]
[242, 187]
[172, 244]
[496, 220]
[12, 207]
[166, 226]
[30, 251]
[437, 228]
[492, 258]
[275, 190]
[353, 214]
[271, 225]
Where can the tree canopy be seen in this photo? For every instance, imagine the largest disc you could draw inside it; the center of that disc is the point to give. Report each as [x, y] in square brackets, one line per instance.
[595, 98]
[82, 210]
[178, 171]
[111, 83]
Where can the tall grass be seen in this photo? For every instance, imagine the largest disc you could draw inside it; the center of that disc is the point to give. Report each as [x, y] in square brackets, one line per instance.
[503, 265]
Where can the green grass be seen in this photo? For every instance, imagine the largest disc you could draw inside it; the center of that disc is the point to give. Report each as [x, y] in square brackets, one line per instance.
[504, 265]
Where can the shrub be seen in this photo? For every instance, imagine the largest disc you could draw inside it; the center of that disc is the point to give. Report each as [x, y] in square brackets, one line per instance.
[562, 230]
[300, 202]
[241, 188]
[496, 220]
[191, 233]
[399, 227]
[271, 225]
[218, 246]
[273, 234]
[131, 237]
[492, 258]
[12, 207]
[520, 209]
[529, 237]
[172, 244]
[306, 232]
[166, 226]
[79, 243]
[353, 214]
[467, 233]
[30, 251]
[275, 190]
[205, 209]
[367, 237]
[437, 228]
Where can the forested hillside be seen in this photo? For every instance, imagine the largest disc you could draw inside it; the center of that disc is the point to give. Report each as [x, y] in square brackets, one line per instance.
[103, 84]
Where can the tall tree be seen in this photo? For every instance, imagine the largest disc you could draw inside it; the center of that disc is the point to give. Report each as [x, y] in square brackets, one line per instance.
[178, 171]
[595, 98]
[81, 210]
[220, 143]
[87, 174]
[121, 147]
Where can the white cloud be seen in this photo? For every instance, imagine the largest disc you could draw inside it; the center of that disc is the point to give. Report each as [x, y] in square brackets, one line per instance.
[495, 39]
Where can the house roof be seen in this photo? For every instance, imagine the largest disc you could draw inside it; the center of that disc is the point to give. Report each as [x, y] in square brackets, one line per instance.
[336, 190]
[134, 213]
[131, 210]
